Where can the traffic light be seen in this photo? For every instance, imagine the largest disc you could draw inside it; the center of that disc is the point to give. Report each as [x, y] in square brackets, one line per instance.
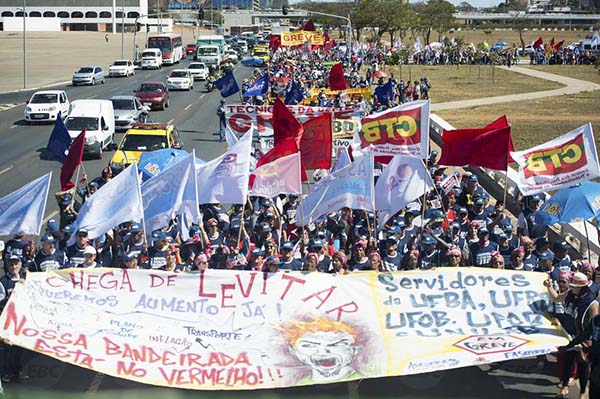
[285, 10]
[201, 14]
[147, 28]
[138, 26]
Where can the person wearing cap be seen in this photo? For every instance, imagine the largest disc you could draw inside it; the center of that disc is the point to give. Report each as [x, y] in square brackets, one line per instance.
[157, 252]
[75, 251]
[28, 256]
[529, 224]
[14, 246]
[530, 260]
[89, 258]
[218, 212]
[481, 251]
[409, 217]
[221, 115]
[256, 261]
[505, 249]
[67, 233]
[317, 246]
[391, 258]
[470, 190]
[513, 239]
[589, 270]
[580, 302]
[68, 207]
[85, 190]
[453, 238]
[288, 262]
[562, 260]
[430, 256]
[48, 258]
[134, 243]
[477, 211]
[130, 260]
[13, 355]
[272, 264]
[53, 228]
[462, 217]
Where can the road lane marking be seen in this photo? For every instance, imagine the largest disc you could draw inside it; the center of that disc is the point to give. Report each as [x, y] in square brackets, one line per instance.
[188, 107]
[171, 121]
[202, 96]
[50, 216]
[13, 126]
[5, 107]
[6, 169]
[92, 97]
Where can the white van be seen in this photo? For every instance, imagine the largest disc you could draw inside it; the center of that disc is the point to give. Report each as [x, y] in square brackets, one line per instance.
[243, 44]
[210, 55]
[98, 118]
[151, 58]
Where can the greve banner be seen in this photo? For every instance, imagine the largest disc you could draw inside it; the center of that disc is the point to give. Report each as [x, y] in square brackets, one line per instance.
[562, 162]
[298, 38]
[230, 330]
[401, 130]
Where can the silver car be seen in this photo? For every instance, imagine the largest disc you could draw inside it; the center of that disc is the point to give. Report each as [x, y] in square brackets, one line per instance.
[88, 75]
[128, 110]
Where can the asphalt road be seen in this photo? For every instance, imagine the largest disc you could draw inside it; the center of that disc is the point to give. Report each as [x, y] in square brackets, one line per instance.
[193, 113]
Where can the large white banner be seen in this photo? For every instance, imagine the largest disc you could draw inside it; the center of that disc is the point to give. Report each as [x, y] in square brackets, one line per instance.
[562, 162]
[225, 329]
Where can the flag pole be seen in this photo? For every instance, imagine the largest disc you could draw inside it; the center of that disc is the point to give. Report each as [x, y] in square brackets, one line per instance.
[587, 237]
[139, 189]
[241, 224]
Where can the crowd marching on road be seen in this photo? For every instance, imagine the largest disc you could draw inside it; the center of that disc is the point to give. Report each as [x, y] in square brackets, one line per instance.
[459, 227]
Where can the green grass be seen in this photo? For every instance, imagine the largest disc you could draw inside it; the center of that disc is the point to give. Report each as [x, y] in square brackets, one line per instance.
[450, 83]
[534, 121]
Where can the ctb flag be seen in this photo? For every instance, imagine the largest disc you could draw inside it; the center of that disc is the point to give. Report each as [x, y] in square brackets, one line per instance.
[259, 87]
[227, 84]
[337, 81]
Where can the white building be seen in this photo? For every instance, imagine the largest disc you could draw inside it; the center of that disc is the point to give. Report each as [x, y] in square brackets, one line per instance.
[91, 15]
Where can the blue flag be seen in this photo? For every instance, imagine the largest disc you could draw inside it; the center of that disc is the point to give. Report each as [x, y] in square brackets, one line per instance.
[259, 87]
[60, 140]
[227, 84]
[385, 93]
[295, 94]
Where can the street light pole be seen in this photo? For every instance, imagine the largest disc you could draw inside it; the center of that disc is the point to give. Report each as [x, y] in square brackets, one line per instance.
[122, 29]
[24, 47]
[341, 17]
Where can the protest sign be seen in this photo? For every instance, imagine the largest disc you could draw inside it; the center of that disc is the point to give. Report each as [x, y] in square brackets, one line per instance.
[241, 118]
[298, 38]
[224, 329]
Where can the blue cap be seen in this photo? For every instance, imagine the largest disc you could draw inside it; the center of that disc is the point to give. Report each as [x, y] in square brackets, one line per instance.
[265, 202]
[508, 227]
[321, 235]
[473, 178]
[545, 255]
[136, 228]
[455, 225]
[428, 239]
[479, 201]
[395, 230]
[314, 242]
[66, 199]
[82, 230]
[68, 229]
[535, 198]
[47, 238]
[52, 226]
[194, 229]
[129, 256]
[393, 239]
[257, 252]
[269, 215]
[93, 184]
[436, 214]
[265, 227]
[485, 195]
[483, 230]
[14, 257]
[503, 236]
[401, 224]
[287, 245]
[158, 235]
[463, 210]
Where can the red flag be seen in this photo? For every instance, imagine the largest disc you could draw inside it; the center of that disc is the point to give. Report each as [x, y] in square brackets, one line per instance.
[72, 160]
[537, 43]
[337, 81]
[326, 37]
[287, 146]
[274, 42]
[309, 26]
[558, 45]
[285, 124]
[316, 144]
[552, 42]
[487, 147]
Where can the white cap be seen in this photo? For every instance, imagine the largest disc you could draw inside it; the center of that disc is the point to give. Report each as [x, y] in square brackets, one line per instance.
[89, 250]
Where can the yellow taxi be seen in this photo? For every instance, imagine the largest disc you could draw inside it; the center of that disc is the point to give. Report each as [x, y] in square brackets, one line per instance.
[261, 52]
[143, 137]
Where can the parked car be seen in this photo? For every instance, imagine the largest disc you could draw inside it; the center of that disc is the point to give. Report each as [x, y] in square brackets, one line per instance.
[190, 48]
[144, 137]
[88, 75]
[98, 119]
[198, 70]
[153, 94]
[121, 68]
[44, 106]
[129, 110]
[180, 79]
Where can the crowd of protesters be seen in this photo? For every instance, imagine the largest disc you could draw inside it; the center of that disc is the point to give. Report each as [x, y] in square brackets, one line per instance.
[461, 227]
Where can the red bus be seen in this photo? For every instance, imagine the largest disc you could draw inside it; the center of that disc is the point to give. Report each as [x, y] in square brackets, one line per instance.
[170, 45]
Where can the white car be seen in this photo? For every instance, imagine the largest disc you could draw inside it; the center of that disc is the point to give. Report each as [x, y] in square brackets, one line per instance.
[44, 106]
[121, 68]
[180, 79]
[198, 70]
[88, 75]
[231, 56]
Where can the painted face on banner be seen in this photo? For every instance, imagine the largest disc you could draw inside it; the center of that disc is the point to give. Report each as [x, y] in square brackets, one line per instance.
[326, 352]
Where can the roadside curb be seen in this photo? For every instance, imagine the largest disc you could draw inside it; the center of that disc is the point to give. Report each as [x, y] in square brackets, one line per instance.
[36, 88]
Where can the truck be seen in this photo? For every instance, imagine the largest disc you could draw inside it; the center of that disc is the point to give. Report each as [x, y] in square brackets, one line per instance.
[210, 40]
[209, 55]
[98, 118]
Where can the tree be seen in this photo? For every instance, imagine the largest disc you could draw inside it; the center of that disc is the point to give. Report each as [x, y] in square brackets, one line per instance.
[465, 7]
[436, 15]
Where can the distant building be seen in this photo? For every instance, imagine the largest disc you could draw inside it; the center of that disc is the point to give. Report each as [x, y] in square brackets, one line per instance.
[93, 15]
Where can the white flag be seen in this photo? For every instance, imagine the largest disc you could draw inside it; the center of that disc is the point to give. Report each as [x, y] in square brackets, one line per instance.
[118, 201]
[403, 180]
[281, 176]
[562, 162]
[23, 210]
[596, 39]
[230, 137]
[170, 193]
[225, 179]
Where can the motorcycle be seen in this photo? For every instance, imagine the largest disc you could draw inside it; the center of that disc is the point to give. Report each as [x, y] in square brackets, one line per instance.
[210, 85]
